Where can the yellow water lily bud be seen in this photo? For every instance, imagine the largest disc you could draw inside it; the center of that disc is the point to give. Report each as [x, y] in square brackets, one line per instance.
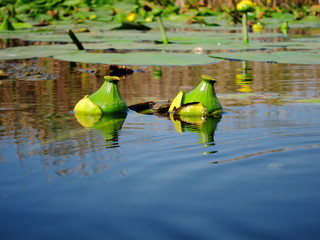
[245, 6]
[148, 19]
[93, 17]
[85, 105]
[131, 17]
[193, 109]
[258, 27]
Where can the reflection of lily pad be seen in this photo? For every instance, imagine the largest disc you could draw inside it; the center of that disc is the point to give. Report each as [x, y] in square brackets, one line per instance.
[311, 100]
[292, 57]
[142, 58]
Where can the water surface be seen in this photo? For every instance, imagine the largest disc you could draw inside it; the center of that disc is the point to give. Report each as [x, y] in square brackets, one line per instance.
[253, 174]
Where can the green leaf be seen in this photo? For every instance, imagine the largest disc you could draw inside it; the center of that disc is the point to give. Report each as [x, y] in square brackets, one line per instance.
[35, 51]
[21, 25]
[136, 58]
[291, 57]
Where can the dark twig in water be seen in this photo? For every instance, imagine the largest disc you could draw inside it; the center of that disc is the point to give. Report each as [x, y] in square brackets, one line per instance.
[75, 40]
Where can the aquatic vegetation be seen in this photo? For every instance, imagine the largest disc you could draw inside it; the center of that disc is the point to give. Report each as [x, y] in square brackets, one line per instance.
[257, 27]
[108, 96]
[244, 7]
[107, 99]
[6, 25]
[177, 101]
[284, 27]
[157, 14]
[294, 57]
[151, 107]
[192, 109]
[200, 101]
[139, 58]
[85, 105]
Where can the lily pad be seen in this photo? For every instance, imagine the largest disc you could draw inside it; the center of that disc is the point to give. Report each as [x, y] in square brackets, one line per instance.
[139, 58]
[292, 57]
[35, 51]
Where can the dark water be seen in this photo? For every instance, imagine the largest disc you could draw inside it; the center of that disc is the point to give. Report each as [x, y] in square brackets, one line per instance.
[253, 174]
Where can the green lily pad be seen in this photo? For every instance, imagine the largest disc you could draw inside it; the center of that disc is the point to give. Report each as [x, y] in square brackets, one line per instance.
[291, 57]
[136, 58]
[35, 51]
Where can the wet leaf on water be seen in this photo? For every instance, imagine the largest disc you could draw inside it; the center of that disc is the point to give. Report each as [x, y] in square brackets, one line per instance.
[151, 107]
[35, 51]
[139, 58]
[291, 57]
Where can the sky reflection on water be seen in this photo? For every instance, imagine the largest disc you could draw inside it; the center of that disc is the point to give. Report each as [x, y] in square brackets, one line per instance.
[253, 174]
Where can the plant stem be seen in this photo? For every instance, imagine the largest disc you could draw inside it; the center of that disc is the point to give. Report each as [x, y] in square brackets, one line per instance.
[162, 30]
[245, 37]
[75, 40]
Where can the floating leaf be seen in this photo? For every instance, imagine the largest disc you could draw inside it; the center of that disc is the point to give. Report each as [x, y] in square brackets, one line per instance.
[292, 57]
[142, 58]
[35, 51]
[151, 107]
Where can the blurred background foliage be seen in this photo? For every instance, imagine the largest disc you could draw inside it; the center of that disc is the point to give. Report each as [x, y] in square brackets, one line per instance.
[63, 9]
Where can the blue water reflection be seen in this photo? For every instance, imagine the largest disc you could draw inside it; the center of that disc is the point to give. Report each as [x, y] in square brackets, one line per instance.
[253, 174]
[158, 182]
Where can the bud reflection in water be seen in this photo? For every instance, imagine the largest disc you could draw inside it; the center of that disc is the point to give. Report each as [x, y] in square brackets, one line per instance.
[108, 125]
[244, 79]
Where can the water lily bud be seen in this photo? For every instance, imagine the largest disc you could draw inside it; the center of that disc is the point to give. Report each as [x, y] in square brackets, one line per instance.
[205, 94]
[193, 109]
[131, 17]
[245, 6]
[108, 96]
[258, 27]
[86, 106]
